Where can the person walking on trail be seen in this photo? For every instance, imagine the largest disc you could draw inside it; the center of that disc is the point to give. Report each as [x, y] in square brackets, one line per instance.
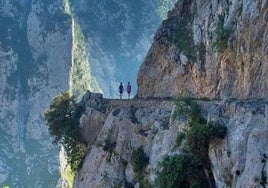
[128, 90]
[121, 90]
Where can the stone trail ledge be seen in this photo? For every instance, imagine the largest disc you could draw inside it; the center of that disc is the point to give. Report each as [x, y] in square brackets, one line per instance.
[238, 160]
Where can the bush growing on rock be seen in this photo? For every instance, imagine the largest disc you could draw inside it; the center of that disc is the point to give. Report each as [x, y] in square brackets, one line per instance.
[191, 168]
[140, 161]
[181, 171]
[63, 120]
[222, 34]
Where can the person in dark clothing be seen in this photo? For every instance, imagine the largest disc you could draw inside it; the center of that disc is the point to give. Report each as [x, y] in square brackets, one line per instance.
[128, 90]
[121, 90]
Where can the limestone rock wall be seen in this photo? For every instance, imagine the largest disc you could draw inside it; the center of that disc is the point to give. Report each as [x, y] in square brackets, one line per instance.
[239, 160]
[214, 49]
[51, 47]
[36, 59]
[205, 49]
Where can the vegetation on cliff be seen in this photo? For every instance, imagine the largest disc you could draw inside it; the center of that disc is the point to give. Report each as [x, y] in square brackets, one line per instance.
[140, 161]
[81, 77]
[222, 34]
[191, 168]
[63, 120]
[184, 37]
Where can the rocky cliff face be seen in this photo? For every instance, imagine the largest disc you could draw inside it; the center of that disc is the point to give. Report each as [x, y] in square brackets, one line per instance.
[45, 48]
[205, 49]
[215, 49]
[115, 129]
[241, 159]
[36, 47]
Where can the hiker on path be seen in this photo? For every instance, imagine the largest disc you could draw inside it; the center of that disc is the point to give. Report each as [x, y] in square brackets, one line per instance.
[121, 90]
[128, 90]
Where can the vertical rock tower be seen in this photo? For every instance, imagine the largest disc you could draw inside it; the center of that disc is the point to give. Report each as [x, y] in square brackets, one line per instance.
[38, 55]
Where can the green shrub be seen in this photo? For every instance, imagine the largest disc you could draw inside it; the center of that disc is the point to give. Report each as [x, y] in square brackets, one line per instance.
[186, 108]
[145, 184]
[58, 116]
[63, 120]
[180, 171]
[179, 139]
[140, 161]
[133, 111]
[222, 34]
[217, 131]
[191, 168]
[109, 145]
[240, 10]
[184, 37]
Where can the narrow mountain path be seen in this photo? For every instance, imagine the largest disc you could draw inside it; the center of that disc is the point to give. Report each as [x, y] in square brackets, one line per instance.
[96, 99]
[139, 103]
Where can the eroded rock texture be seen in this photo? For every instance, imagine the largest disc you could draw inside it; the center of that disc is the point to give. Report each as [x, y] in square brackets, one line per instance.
[214, 49]
[114, 129]
[35, 56]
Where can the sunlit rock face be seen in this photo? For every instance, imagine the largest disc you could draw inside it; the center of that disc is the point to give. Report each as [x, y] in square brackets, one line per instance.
[214, 49]
[35, 55]
[239, 160]
[119, 33]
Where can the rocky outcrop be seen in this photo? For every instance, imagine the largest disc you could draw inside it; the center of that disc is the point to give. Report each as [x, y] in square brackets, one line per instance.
[113, 166]
[214, 49]
[114, 129]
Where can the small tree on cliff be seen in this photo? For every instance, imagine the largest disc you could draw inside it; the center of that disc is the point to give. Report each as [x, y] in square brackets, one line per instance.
[63, 120]
[192, 167]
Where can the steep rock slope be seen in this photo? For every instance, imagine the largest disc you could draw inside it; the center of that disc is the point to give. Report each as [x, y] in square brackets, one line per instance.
[215, 49]
[38, 46]
[28, 77]
[116, 129]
